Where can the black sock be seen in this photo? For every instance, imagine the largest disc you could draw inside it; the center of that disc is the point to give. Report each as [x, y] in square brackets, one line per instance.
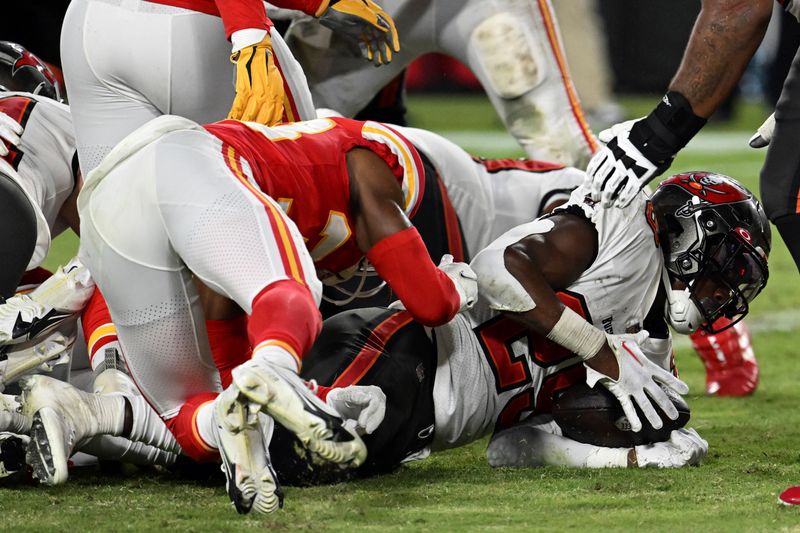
[789, 228]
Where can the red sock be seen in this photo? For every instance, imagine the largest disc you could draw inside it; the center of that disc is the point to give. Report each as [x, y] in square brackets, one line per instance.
[98, 330]
[229, 345]
[184, 427]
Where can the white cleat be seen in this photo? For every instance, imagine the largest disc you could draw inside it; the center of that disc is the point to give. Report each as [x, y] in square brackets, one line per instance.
[61, 297]
[45, 355]
[11, 417]
[250, 480]
[284, 396]
[62, 417]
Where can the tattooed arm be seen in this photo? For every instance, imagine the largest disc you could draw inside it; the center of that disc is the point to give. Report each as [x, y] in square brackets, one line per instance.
[725, 37]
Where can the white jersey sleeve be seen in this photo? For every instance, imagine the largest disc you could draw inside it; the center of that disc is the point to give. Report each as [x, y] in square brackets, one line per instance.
[43, 161]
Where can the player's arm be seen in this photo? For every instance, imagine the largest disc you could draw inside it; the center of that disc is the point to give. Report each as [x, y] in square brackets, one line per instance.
[520, 273]
[260, 93]
[540, 443]
[724, 39]
[432, 295]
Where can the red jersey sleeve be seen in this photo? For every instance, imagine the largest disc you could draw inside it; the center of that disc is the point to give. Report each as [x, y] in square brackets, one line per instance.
[315, 8]
[242, 14]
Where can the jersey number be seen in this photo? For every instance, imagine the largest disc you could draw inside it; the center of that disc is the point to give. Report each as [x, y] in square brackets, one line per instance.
[511, 371]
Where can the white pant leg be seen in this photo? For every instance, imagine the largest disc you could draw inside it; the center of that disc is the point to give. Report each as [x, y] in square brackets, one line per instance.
[294, 77]
[170, 210]
[127, 61]
[514, 49]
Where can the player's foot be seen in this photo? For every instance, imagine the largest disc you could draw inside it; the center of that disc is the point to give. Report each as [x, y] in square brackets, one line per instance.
[281, 394]
[731, 366]
[12, 453]
[61, 297]
[16, 362]
[62, 417]
[251, 482]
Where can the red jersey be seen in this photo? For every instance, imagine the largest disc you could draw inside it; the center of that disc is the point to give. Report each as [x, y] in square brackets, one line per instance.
[302, 166]
[242, 14]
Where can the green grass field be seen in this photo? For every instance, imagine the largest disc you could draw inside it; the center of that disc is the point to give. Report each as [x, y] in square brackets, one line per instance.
[753, 455]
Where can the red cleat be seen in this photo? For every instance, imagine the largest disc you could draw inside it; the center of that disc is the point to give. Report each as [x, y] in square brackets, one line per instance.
[790, 496]
[731, 366]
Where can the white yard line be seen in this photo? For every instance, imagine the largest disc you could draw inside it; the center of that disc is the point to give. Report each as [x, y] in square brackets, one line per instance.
[480, 142]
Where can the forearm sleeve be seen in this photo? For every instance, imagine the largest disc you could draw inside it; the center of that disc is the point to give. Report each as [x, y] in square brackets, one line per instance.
[403, 262]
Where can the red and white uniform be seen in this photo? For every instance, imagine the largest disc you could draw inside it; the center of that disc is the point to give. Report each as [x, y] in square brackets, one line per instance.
[127, 62]
[302, 166]
[492, 373]
[513, 47]
[175, 200]
[43, 161]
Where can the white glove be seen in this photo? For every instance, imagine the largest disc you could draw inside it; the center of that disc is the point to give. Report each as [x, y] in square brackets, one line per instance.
[638, 380]
[10, 130]
[365, 405]
[684, 447]
[763, 135]
[465, 280]
[618, 171]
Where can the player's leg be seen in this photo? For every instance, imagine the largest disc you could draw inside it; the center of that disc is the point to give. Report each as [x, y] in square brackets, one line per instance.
[17, 234]
[780, 176]
[514, 49]
[127, 63]
[242, 245]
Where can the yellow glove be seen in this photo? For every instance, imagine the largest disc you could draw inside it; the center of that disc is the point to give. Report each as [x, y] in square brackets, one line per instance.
[365, 22]
[259, 85]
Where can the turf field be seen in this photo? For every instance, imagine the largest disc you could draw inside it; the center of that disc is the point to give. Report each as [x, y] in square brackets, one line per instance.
[754, 450]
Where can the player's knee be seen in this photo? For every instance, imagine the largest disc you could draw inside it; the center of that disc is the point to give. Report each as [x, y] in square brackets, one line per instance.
[287, 311]
[18, 233]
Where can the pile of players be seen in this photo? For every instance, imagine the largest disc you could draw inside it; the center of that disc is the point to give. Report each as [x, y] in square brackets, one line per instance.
[208, 248]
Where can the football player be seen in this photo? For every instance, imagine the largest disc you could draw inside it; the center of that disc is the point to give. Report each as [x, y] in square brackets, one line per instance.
[512, 47]
[688, 256]
[255, 214]
[126, 63]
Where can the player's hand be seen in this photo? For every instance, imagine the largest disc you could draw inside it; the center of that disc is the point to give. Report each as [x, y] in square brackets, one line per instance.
[259, 85]
[367, 24]
[10, 130]
[684, 447]
[638, 381]
[465, 280]
[763, 135]
[366, 405]
[619, 170]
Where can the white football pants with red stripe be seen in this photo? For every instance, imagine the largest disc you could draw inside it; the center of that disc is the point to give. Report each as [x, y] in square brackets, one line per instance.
[126, 63]
[731, 366]
[512, 46]
[170, 212]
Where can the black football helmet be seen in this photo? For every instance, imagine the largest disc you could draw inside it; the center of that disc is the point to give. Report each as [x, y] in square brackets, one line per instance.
[716, 239]
[22, 71]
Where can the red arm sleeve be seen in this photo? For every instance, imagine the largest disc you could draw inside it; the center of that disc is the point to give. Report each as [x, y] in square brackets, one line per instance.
[314, 8]
[403, 261]
[242, 14]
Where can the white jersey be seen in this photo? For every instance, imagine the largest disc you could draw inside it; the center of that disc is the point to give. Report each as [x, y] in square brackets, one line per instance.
[43, 161]
[492, 372]
[491, 196]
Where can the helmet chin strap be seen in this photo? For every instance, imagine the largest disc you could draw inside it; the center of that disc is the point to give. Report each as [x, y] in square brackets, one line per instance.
[682, 313]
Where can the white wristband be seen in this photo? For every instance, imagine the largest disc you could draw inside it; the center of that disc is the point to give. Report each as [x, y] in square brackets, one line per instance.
[577, 335]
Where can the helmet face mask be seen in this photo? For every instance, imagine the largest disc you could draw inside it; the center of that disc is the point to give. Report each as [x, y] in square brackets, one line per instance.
[716, 239]
[21, 71]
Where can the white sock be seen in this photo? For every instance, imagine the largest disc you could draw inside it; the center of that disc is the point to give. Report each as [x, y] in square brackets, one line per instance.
[276, 355]
[122, 449]
[206, 425]
[148, 426]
